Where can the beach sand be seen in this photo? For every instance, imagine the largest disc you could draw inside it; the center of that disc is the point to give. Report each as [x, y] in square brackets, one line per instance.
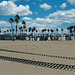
[56, 48]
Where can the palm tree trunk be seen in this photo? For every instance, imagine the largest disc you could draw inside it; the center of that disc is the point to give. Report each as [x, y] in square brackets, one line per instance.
[22, 35]
[16, 29]
[12, 32]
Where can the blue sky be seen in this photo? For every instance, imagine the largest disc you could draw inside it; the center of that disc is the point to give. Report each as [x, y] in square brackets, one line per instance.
[50, 14]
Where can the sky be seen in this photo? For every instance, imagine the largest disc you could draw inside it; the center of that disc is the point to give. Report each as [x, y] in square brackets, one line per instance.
[48, 14]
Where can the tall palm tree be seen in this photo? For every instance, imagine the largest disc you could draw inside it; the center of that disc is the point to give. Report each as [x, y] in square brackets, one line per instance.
[52, 30]
[24, 24]
[13, 33]
[20, 28]
[36, 32]
[11, 21]
[22, 34]
[17, 21]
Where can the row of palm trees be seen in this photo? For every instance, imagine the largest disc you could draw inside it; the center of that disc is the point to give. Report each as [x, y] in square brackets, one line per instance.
[23, 28]
[71, 29]
[50, 30]
[31, 30]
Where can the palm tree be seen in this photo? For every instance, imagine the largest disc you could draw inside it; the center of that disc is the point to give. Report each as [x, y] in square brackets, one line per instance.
[48, 31]
[62, 30]
[4, 32]
[17, 21]
[52, 33]
[7, 30]
[20, 28]
[57, 30]
[29, 29]
[26, 30]
[74, 32]
[13, 34]
[34, 28]
[71, 27]
[70, 30]
[24, 24]
[0, 31]
[74, 29]
[10, 30]
[11, 21]
[32, 31]
[52, 30]
[36, 32]
[43, 30]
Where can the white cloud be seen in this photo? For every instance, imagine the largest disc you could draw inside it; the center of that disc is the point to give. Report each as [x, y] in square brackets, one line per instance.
[36, 12]
[72, 2]
[9, 8]
[63, 5]
[4, 24]
[45, 6]
[41, 23]
[53, 20]
[26, 18]
[67, 16]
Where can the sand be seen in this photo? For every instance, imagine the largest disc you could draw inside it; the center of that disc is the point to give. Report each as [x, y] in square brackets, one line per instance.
[57, 48]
